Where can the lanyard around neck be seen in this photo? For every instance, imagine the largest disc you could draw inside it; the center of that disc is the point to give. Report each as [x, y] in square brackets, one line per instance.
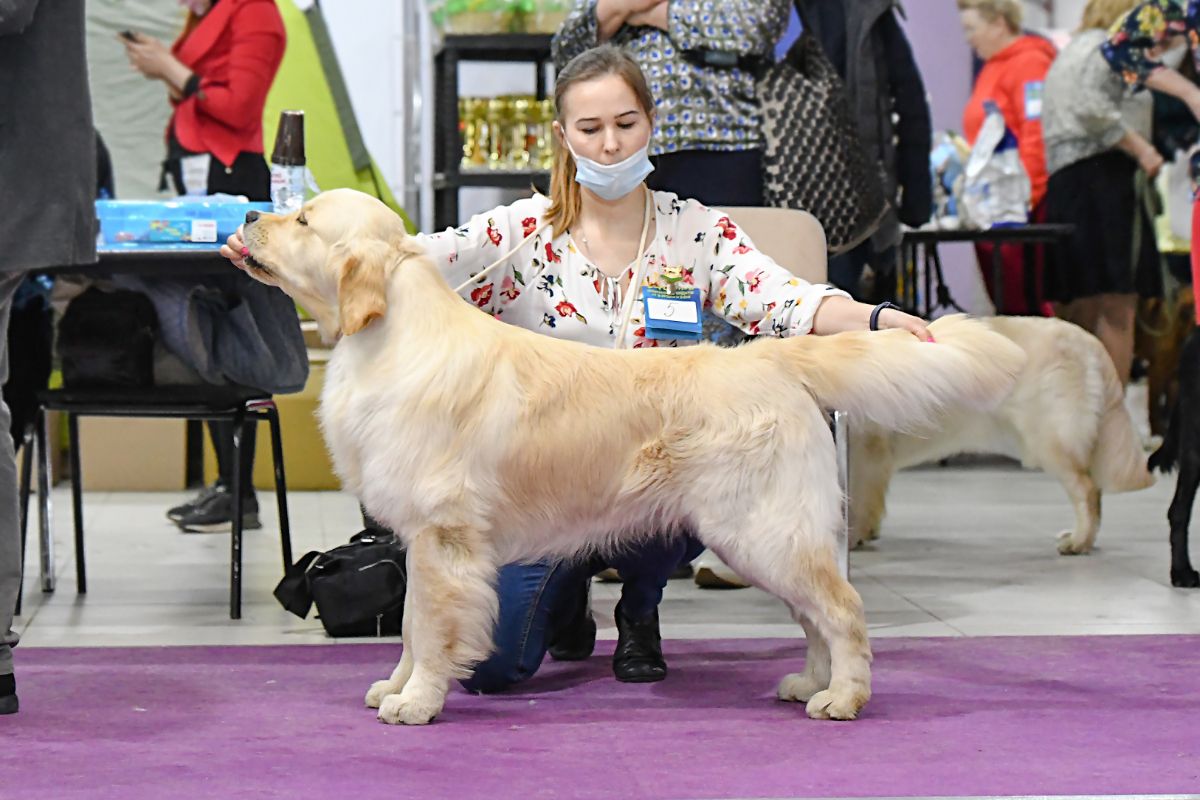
[635, 281]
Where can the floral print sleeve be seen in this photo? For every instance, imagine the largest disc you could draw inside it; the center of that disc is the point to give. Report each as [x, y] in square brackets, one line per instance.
[746, 288]
[463, 251]
[1143, 29]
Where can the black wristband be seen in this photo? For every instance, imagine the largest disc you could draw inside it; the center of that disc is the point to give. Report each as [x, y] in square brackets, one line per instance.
[874, 324]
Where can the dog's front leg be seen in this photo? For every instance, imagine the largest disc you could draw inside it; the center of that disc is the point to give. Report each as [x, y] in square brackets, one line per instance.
[450, 610]
[403, 670]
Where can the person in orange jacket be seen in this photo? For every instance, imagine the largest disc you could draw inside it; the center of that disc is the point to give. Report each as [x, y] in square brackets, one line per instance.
[1014, 69]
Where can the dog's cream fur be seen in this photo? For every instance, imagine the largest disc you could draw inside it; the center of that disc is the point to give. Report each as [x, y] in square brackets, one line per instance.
[483, 444]
[1065, 415]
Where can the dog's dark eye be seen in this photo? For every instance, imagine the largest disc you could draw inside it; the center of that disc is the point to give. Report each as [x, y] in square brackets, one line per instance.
[300, 218]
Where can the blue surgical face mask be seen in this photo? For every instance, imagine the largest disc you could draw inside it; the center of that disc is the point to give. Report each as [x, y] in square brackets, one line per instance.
[612, 181]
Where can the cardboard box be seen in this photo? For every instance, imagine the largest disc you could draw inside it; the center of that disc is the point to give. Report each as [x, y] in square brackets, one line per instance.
[306, 462]
[119, 454]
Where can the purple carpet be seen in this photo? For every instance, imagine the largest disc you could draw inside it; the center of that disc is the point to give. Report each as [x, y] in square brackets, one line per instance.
[977, 716]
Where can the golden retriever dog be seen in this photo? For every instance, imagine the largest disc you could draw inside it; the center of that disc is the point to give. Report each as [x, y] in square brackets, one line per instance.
[483, 444]
[1066, 415]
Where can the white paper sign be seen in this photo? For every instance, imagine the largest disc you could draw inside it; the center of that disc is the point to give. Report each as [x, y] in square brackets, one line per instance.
[673, 310]
[204, 230]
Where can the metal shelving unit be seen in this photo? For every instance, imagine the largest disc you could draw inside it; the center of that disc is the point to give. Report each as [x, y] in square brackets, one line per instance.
[531, 48]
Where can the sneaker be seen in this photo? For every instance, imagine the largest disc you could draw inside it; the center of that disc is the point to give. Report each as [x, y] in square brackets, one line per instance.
[215, 514]
[8, 695]
[184, 509]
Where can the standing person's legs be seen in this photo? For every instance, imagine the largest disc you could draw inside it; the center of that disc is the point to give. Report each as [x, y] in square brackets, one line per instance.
[10, 536]
[1115, 329]
[212, 510]
[221, 434]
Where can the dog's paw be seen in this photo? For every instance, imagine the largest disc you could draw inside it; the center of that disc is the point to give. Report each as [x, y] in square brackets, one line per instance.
[380, 690]
[799, 687]
[1070, 545]
[1185, 579]
[828, 705]
[395, 709]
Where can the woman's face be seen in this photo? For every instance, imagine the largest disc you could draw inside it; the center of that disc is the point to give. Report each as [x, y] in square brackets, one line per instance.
[985, 37]
[602, 120]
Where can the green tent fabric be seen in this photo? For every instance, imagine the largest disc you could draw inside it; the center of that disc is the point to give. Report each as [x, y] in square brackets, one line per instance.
[310, 80]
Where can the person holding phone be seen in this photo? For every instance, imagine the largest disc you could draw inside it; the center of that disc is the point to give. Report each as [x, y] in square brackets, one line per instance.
[217, 75]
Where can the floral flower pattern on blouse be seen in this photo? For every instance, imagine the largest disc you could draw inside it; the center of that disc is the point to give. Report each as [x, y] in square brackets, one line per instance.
[548, 285]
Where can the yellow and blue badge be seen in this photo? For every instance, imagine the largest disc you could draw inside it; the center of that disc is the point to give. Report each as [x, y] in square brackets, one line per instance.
[673, 310]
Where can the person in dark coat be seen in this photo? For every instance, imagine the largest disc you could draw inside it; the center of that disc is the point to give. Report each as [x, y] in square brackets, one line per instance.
[865, 42]
[47, 186]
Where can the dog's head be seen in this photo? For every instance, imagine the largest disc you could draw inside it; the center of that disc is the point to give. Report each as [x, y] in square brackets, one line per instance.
[333, 257]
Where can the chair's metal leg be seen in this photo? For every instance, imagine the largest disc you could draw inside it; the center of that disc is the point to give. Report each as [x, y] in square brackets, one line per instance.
[235, 554]
[26, 486]
[45, 538]
[841, 442]
[285, 528]
[77, 502]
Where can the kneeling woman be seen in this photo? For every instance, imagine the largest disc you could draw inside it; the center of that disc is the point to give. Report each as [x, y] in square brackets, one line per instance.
[563, 266]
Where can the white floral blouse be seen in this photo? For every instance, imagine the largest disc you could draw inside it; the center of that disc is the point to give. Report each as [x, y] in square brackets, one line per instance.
[549, 286]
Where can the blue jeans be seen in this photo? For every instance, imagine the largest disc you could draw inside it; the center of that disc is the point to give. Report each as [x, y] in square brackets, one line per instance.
[535, 599]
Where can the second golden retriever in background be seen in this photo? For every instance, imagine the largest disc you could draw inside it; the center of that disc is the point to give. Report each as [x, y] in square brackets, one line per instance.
[1066, 415]
[483, 444]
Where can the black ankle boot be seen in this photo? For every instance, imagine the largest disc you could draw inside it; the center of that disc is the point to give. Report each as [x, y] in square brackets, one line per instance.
[574, 638]
[8, 695]
[638, 658]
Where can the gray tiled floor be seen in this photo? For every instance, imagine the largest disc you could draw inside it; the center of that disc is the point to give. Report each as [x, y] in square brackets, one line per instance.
[966, 551]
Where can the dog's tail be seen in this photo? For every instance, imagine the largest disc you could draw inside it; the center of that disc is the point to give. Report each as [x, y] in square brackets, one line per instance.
[900, 383]
[1118, 461]
[1166, 457]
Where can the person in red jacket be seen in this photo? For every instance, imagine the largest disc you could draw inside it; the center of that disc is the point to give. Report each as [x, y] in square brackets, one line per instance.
[1014, 69]
[217, 74]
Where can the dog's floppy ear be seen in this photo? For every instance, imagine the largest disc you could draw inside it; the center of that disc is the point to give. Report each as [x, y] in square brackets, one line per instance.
[361, 270]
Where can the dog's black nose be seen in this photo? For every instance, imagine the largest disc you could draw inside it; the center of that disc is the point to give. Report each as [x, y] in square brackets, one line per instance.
[251, 216]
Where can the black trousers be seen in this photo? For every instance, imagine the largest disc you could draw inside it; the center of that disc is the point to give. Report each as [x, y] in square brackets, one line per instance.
[714, 177]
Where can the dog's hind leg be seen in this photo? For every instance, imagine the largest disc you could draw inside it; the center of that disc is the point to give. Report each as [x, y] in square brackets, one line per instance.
[836, 681]
[1180, 513]
[801, 686]
[1085, 498]
[450, 611]
[871, 469]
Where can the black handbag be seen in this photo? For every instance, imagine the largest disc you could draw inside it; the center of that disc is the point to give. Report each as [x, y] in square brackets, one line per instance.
[814, 159]
[106, 340]
[358, 588]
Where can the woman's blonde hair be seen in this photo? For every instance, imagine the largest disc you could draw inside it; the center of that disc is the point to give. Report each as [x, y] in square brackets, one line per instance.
[589, 65]
[1011, 11]
[1104, 13]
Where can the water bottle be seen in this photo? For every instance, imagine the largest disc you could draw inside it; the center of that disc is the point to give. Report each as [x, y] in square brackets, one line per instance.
[288, 166]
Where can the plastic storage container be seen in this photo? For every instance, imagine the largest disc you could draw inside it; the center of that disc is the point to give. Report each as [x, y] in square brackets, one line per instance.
[157, 224]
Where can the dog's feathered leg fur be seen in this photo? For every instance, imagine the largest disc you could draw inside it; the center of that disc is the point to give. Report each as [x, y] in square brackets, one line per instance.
[452, 604]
